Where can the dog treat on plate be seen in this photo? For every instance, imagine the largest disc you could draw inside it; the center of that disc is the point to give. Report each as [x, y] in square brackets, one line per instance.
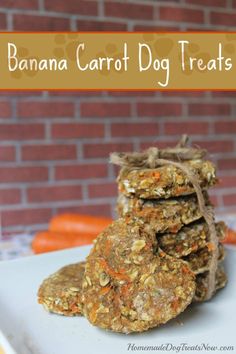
[199, 262]
[189, 239]
[166, 181]
[168, 215]
[131, 286]
[202, 283]
[61, 292]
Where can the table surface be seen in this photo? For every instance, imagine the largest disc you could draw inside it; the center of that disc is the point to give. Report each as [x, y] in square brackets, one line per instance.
[17, 246]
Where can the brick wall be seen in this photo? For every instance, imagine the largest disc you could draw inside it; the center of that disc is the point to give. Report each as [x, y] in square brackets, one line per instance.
[54, 146]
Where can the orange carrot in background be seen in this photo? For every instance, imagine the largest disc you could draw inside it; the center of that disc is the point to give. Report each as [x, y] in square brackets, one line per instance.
[76, 223]
[47, 241]
[230, 237]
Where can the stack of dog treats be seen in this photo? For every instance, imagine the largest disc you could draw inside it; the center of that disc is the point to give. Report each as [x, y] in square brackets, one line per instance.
[165, 197]
[163, 252]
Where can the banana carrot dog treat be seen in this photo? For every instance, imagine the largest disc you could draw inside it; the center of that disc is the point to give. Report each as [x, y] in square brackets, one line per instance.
[164, 215]
[61, 292]
[130, 285]
[199, 262]
[189, 239]
[202, 283]
[166, 181]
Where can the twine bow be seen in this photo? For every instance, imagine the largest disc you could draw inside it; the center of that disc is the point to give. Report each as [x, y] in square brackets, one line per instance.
[153, 158]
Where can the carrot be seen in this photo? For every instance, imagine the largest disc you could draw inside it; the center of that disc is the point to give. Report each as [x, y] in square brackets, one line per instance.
[47, 241]
[175, 304]
[118, 275]
[230, 237]
[105, 290]
[156, 175]
[76, 223]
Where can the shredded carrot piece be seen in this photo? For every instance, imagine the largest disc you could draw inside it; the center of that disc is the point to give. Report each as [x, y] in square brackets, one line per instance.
[112, 273]
[181, 189]
[156, 175]
[186, 270]
[174, 229]
[175, 304]
[162, 254]
[104, 290]
[125, 290]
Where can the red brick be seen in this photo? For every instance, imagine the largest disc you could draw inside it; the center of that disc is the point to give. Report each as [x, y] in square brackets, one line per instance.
[70, 172]
[214, 3]
[19, 4]
[223, 93]
[200, 29]
[205, 109]
[214, 200]
[227, 181]
[31, 109]
[7, 153]
[131, 93]
[183, 94]
[23, 174]
[216, 146]
[48, 152]
[223, 18]
[125, 10]
[91, 25]
[103, 150]
[155, 28]
[158, 144]
[5, 109]
[71, 6]
[134, 129]
[53, 193]
[228, 127]
[27, 216]
[88, 209]
[104, 110]
[229, 199]
[17, 93]
[77, 130]
[177, 128]
[102, 190]
[181, 14]
[3, 21]
[10, 196]
[159, 109]
[40, 23]
[227, 164]
[21, 131]
[74, 93]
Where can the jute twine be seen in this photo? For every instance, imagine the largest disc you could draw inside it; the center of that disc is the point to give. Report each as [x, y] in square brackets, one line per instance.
[153, 158]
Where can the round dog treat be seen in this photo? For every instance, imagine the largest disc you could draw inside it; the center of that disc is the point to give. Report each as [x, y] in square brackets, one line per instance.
[199, 262]
[165, 182]
[130, 285]
[61, 292]
[189, 239]
[202, 283]
[164, 215]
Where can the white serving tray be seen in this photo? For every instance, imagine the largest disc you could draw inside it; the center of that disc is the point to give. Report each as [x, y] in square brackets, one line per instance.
[29, 329]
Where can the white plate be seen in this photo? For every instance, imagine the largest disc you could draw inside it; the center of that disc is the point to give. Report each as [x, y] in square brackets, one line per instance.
[31, 330]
